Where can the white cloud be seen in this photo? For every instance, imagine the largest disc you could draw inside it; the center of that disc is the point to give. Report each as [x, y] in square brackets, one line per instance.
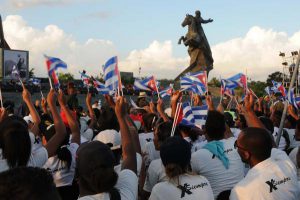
[157, 59]
[53, 41]
[257, 51]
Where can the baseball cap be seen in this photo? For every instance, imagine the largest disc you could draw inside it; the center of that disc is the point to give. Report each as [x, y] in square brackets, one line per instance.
[175, 150]
[110, 137]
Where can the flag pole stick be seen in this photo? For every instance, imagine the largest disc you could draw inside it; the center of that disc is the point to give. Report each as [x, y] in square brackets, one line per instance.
[156, 87]
[176, 118]
[1, 98]
[229, 104]
[50, 82]
[192, 95]
[206, 84]
[286, 102]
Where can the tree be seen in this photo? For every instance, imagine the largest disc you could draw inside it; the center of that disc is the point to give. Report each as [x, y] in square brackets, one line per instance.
[258, 87]
[214, 82]
[276, 76]
[65, 77]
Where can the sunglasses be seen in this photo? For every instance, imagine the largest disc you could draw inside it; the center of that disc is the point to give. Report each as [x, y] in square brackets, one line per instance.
[237, 146]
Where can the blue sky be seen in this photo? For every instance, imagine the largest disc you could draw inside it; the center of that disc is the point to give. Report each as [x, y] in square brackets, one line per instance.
[134, 24]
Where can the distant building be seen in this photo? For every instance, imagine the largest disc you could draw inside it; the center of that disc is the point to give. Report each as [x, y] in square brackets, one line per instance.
[127, 76]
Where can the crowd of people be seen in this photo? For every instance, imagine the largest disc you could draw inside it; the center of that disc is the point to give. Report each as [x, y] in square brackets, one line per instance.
[53, 149]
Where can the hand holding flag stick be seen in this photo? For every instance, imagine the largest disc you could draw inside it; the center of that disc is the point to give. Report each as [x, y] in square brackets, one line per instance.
[1, 99]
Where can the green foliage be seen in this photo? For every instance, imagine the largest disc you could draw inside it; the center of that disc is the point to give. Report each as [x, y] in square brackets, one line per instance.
[214, 82]
[65, 77]
[276, 76]
[258, 87]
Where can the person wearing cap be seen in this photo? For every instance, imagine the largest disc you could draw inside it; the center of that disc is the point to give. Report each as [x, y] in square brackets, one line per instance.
[175, 154]
[156, 170]
[95, 166]
[141, 100]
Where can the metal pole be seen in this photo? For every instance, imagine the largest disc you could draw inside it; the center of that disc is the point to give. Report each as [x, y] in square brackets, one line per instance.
[286, 102]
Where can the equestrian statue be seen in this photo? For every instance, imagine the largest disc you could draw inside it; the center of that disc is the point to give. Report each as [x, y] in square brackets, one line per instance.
[198, 46]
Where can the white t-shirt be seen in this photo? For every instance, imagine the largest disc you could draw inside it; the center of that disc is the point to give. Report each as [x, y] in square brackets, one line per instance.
[235, 132]
[144, 138]
[282, 142]
[293, 157]
[293, 142]
[139, 160]
[196, 145]
[61, 174]
[127, 185]
[203, 162]
[150, 153]
[37, 158]
[155, 174]
[274, 178]
[195, 187]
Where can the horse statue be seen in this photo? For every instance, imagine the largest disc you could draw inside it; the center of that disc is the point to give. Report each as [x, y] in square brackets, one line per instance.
[198, 47]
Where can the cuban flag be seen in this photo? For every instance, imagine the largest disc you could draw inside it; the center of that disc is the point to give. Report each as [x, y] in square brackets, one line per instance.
[100, 87]
[291, 98]
[188, 116]
[297, 99]
[278, 87]
[188, 83]
[166, 92]
[111, 74]
[239, 78]
[268, 90]
[85, 78]
[54, 63]
[147, 84]
[228, 86]
[199, 77]
[200, 115]
[36, 81]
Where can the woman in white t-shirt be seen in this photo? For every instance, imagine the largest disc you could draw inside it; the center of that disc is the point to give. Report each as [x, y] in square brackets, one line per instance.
[175, 154]
[15, 144]
[62, 165]
[95, 166]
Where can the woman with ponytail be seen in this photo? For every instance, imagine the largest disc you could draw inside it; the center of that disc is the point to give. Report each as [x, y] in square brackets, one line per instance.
[175, 154]
[62, 165]
[95, 166]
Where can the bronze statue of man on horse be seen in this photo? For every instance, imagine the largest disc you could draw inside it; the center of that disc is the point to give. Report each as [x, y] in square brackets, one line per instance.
[198, 46]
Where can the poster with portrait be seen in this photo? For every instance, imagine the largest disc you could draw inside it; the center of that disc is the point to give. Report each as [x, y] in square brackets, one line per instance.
[16, 58]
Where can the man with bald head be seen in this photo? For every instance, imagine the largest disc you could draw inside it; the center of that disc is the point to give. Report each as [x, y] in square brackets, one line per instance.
[272, 174]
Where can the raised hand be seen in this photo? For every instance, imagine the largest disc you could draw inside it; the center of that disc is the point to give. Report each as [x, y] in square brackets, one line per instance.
[51, 98]
[209, 102]
[61, 98]
[120, 107]
[26, 95]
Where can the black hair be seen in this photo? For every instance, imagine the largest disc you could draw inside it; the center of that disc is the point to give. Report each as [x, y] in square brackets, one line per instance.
[24, 183]
[175, 154]
[215, 125]
[108, 119]
[9, 106]
[292, 121]
[267, 122]
[164, 131]
[229, 119]
[63, 153]
[258, 142]
[191, 132]
[15, 141]
[149, 120]
[96, 112]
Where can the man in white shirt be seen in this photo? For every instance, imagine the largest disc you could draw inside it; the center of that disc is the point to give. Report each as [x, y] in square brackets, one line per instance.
[271, 176]
[222, 171]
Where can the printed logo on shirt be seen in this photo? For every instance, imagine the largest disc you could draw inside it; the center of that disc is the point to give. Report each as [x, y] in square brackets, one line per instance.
[148, 139]
[56, 170]
[37, 140]
[186, 188]
[273, 184]
[225, 151]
